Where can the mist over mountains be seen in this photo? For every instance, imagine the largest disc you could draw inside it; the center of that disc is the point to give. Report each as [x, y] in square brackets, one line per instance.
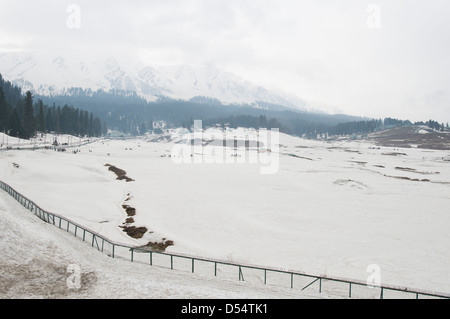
[129, 96]
[55, 74]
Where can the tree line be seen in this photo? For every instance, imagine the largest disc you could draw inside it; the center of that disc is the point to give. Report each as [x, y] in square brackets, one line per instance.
[128, 113]
[22, 117]
[356, 127]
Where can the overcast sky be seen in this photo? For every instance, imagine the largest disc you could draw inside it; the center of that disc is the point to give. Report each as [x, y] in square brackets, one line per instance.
[370, 58]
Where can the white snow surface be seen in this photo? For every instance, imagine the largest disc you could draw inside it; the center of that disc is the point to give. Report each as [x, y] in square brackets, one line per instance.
[332, 208]
[36, 258]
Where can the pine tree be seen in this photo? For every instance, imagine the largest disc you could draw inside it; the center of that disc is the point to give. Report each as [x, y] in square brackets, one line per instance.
[41, 126]
[50, 125]
[77, 123]
[98, 127]
[15, 127]
[91, 125]
[104, 129]
[29, 121]
[3, 111]
[58, 120]
[86, 123]
[262, 121]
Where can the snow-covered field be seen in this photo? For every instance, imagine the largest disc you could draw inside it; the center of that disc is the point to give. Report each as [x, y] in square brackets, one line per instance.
[330, 208]
[38, 262]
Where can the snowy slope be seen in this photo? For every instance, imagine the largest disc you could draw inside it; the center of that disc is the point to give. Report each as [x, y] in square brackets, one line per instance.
[333, 208]
[51, 73]
[36, 258]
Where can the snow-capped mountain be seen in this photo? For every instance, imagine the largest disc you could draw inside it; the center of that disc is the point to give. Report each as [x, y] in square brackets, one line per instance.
[52, 74]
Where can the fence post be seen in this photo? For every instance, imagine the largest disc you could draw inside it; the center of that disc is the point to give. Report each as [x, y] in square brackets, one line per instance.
[193, 265]
[241, 275]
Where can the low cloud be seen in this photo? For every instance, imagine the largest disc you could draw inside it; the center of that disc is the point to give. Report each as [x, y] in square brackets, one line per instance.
[326, 52]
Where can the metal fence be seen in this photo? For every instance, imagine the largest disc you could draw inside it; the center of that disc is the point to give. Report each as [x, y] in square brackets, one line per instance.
[33, 147]
[243, 272]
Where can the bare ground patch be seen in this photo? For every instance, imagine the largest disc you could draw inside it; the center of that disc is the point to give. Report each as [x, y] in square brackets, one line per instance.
[157, 246]
[41, 279]
[296, 156]
[408, 137]
[413, 170]
[139, 232]
[358, 162]
[134, 232]
[120, 173]
[408, 178]
[127, 226]
[393, 153]
[131, 211]
[352, 151]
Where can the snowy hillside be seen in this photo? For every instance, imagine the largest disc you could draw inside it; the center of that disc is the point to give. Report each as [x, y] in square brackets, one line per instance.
[331, 208]
[36, 259]
[51, 74]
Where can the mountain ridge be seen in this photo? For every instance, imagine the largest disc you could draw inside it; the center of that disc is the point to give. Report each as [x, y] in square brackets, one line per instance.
[55, 74]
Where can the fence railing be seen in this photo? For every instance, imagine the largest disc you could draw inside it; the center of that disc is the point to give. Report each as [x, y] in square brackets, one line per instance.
[33, 147]
[243, 272]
